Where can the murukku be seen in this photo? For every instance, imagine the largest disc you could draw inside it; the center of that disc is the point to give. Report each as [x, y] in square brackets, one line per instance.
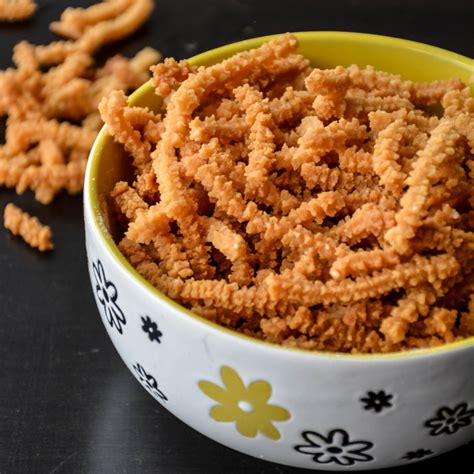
[74, 21]
[16, 10]
[48, 180]
[331, 86]
[413, 207]
[112, 109]
[116, 28]
[29, 228]
[21, 135]
[386, 156]
[50, 101]
[319, 209]
[127, 200]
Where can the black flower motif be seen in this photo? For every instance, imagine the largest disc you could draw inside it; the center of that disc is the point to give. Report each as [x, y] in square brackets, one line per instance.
[449, 420]
[151, 328]
[107, 295]
[418, 454]
[376, 401]
[149, 382]
[335, 448]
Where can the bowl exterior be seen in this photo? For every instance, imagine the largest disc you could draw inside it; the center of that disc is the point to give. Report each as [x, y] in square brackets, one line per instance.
[302, 410]
[324, 412]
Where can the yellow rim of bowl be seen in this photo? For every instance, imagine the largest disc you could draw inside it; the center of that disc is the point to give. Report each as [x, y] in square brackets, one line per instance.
[230, 49]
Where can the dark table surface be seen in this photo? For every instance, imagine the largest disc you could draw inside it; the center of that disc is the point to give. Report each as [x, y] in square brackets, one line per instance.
[67, 402]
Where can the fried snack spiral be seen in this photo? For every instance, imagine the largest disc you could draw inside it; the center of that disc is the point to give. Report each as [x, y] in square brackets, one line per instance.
[29, 228]
[16, 10]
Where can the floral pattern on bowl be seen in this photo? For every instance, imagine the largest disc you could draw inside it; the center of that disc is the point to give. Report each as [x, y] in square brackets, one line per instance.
[335, 447]
[418, 454]
[151, 328]
[377, 401]
[149, 382]
[107, 295]
[247, 407]
[450, 420]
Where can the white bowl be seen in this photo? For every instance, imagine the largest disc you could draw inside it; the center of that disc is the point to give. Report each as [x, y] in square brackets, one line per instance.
[304, 409]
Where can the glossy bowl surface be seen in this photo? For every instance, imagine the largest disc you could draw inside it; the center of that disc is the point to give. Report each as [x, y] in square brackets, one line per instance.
[306, 409]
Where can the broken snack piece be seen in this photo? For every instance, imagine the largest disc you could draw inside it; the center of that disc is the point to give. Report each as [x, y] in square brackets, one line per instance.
[16, 10]
[29, 228]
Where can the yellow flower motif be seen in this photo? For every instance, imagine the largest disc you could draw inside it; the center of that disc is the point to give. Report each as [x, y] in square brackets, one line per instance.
[246, 406]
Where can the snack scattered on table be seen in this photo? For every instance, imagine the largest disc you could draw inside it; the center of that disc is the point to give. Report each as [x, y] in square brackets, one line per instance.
[50, 98]
[16, 10]
[29, 228]
[320, 209]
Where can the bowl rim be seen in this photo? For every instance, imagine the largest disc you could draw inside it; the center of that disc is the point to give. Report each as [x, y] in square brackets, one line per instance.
[91, 201]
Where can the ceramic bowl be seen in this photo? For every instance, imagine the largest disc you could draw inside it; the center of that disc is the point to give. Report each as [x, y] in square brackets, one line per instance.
[305, 409]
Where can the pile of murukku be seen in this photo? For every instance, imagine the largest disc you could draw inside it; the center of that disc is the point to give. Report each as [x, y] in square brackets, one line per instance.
[319, 209]
[51, 97]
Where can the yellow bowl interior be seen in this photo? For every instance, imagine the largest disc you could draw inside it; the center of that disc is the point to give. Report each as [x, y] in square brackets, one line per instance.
[414, 61]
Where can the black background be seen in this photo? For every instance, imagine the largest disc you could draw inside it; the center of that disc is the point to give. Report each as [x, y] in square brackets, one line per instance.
[67, 402]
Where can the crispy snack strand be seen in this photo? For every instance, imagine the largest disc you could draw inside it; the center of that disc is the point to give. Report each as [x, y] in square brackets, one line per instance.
[29, 228]
[319, 209]
[74, 21]
[16, 10]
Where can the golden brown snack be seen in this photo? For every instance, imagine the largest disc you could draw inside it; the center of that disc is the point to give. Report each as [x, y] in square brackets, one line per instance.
[29, 228]
[52, 117]
[74, 21]
[16, 10]
[319, 209]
